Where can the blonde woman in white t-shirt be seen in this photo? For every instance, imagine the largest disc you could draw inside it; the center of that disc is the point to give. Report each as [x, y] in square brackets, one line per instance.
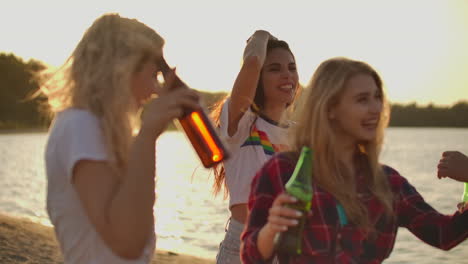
[250, 121]
[101, 175]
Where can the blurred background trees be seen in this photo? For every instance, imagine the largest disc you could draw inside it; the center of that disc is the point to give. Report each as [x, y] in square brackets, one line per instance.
[20, 79]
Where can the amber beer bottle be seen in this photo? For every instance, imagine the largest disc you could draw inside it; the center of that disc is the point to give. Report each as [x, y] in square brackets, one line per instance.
[299, 186]
[199, 129]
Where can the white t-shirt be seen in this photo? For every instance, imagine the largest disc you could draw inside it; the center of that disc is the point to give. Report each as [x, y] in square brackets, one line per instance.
[75, 135]
[255, 141]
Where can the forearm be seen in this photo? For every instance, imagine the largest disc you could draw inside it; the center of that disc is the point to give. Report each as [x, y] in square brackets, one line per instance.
[245, 85]
[444, 232]
[265, 242]
[438, 230]
[131, 209]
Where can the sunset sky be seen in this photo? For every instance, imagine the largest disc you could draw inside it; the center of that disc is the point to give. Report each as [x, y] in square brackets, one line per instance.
[419, 47]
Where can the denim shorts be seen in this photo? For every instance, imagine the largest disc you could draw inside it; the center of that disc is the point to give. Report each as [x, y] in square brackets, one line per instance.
[229, 248]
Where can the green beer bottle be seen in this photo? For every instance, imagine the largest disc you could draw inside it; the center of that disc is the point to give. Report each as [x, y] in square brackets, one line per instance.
[465, 193]
[300, 187]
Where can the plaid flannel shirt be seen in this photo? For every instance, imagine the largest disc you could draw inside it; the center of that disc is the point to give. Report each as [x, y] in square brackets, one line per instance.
[325, 241]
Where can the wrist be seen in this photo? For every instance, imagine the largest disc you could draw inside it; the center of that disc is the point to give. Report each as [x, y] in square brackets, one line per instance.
[268, 232]
[147, 134]
[265, 241]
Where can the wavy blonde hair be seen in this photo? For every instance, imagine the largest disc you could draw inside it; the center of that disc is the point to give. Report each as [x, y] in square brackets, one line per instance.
[97, 77]
[314, 129]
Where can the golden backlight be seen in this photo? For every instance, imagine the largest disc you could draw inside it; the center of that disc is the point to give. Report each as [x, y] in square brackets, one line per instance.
[418, 46]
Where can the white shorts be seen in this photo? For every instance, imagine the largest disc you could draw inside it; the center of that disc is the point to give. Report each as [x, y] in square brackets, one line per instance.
[229, 248]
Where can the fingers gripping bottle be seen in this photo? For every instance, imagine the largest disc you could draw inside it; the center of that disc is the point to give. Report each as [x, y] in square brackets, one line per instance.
[199, 129]
[300, 187]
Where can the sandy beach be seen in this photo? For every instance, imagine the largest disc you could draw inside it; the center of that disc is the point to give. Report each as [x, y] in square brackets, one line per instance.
[23, 241]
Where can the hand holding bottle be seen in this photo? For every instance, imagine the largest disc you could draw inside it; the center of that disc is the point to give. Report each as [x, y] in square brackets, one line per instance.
[280, 216]
[160, 111]
[300, 187]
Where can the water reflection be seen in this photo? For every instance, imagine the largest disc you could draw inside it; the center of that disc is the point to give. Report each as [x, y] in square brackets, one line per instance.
[190, 220]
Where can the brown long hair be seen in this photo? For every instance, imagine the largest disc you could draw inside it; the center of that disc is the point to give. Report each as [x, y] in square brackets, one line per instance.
[257, 107]
[314, 129]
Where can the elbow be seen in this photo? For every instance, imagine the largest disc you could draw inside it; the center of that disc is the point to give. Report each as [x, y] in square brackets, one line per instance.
[127, 246]
[130, 255]
[129, 243]
[128, 251]
[447, 247]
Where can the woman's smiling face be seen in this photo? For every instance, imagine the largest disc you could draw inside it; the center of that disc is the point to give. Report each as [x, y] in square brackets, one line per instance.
[279, 76]
[357, 114]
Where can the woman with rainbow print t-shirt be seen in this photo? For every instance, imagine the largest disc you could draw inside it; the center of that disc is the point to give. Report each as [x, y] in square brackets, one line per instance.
[250, 122]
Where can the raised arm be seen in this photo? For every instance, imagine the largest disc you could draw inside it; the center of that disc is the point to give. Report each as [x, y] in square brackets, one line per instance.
[245, 85]
[122, 210]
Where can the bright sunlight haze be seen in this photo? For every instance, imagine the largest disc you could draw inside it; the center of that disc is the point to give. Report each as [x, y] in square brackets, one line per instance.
[419, 47]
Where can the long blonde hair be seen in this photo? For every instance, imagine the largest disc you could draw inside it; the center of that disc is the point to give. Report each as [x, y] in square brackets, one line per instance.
[313, 129]
[97, 77]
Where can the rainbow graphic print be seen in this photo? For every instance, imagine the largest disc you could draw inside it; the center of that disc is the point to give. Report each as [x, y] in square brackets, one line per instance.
[260, 138]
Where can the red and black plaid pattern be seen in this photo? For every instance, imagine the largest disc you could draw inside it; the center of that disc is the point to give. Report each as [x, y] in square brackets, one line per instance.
[325, 241]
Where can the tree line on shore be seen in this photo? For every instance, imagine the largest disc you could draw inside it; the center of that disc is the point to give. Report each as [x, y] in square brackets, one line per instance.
[20, 79]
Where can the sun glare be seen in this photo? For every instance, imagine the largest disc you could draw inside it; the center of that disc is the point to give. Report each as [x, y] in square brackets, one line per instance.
[418, 46]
